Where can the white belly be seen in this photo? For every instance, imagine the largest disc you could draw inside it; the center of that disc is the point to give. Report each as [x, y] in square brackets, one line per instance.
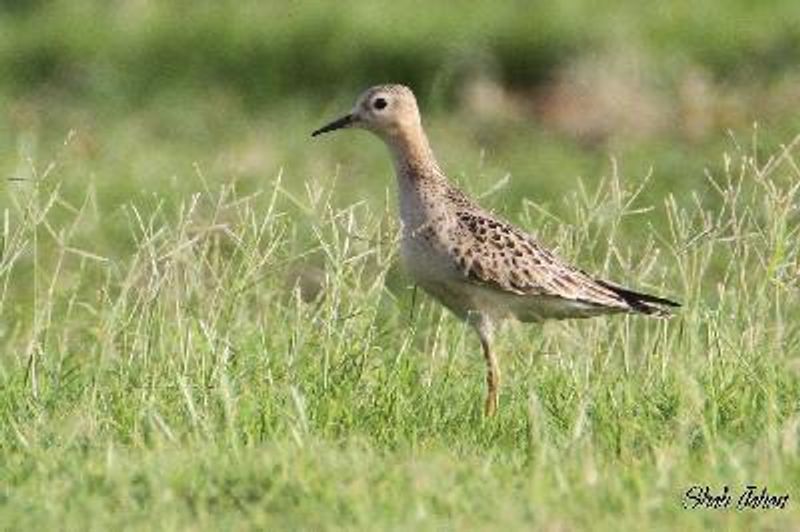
[427, 261]
[433, 269]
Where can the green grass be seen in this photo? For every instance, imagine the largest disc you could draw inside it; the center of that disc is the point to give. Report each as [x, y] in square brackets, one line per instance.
[159, 368]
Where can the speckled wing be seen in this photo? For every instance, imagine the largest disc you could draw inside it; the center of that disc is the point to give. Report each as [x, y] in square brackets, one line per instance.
[498, 255]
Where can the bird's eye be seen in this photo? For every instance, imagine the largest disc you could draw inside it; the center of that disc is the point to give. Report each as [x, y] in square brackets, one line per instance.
[379, 103]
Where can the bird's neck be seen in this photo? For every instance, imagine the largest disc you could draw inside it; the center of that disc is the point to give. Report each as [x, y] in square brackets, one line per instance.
[414, 160]
[420, 182]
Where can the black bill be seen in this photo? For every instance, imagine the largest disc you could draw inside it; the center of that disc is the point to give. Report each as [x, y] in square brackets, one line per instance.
[336, 124]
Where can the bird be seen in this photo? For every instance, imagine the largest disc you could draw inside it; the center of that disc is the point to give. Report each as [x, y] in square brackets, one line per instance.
[481, 267]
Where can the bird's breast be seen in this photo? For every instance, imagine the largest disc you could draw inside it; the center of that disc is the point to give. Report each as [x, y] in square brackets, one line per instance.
[424, 254]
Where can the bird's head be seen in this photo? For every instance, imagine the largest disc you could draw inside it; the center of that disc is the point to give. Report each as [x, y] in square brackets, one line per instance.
[386, 110]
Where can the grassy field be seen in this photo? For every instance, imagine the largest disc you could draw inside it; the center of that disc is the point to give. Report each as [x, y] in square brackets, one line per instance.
[203, 324]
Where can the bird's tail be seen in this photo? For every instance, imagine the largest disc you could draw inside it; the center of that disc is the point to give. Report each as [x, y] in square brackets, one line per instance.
[646, 304]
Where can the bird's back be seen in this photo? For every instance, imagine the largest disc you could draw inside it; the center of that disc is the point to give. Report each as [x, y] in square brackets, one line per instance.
[474, 261]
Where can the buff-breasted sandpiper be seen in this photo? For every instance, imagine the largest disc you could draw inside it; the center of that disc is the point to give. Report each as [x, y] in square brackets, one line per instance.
[479, 266]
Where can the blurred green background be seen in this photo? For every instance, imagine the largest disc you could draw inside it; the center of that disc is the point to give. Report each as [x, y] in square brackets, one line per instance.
[545, 92]
[130, 51]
